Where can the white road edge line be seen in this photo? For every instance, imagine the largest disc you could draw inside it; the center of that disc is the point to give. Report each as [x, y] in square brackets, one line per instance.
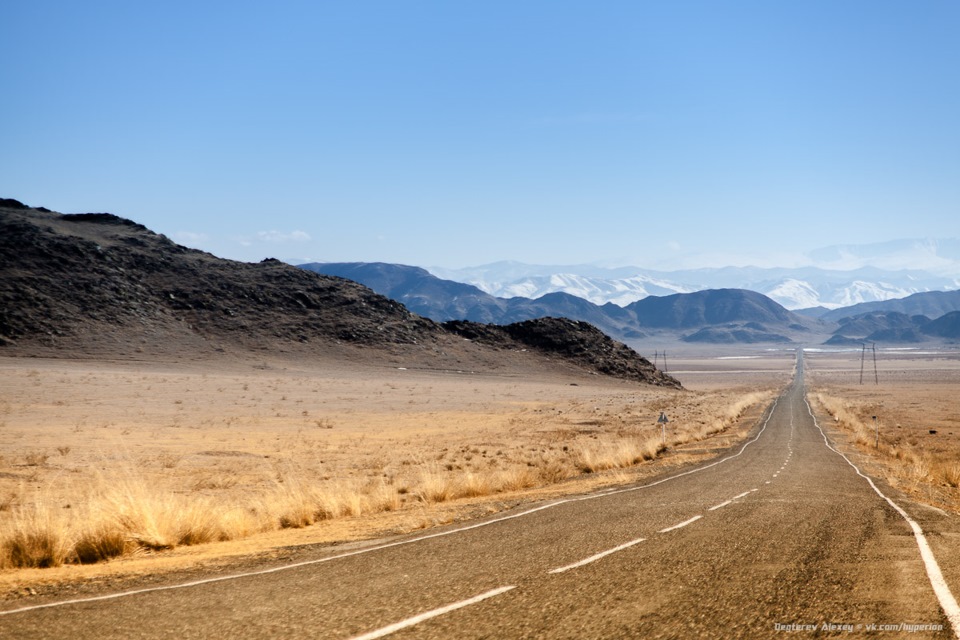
[409, 622]
[682, 524]
[947, 601]
[237, 576]
[261, 572]
[596, 557]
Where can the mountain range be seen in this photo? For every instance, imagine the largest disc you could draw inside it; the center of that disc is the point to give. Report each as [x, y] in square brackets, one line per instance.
[712, 315]
[895, 327]
[796, 288]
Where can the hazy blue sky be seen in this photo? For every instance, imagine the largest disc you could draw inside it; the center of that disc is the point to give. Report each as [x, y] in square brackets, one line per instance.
[459, 133]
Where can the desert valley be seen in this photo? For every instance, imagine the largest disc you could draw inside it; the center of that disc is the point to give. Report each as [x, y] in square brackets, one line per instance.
[165, 414]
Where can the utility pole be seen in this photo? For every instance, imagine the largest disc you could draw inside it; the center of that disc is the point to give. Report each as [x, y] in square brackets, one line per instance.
[656, 358]
[863, 354]
[863, 357]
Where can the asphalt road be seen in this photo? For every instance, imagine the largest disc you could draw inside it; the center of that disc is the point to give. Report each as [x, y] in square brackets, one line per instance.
[782, 537]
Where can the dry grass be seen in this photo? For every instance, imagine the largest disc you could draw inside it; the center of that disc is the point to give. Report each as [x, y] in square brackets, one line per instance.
[151, 460]
[906, 460]
[915, 409]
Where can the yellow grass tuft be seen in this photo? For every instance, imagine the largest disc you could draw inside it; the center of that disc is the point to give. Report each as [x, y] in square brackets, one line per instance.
[37, 537]
[617, 454]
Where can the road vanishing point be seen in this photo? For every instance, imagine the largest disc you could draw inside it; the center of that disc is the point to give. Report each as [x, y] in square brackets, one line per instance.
[782, 536]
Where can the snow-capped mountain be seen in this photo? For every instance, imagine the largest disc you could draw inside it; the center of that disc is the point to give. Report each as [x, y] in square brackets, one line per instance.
[793, 288]
[795, 294]
[599, 291]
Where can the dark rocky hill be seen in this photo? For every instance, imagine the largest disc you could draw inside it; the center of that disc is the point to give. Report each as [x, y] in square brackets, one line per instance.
[568, 339]
[96, 279]
[97, 285]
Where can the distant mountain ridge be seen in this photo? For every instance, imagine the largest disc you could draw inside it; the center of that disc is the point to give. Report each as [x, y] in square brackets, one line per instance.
[720, 316]
[443, 300]
[795, 289]
[895, 327]
[932, 304]
[734, 315]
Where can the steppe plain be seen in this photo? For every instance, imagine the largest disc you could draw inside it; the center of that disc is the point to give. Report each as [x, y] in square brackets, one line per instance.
[261, 457]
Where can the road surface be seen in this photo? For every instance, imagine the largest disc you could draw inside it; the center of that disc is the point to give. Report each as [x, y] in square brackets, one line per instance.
[781, 537]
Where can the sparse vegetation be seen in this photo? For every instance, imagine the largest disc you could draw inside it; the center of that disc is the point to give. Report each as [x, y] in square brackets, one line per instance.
[157, 474]
[931, 474]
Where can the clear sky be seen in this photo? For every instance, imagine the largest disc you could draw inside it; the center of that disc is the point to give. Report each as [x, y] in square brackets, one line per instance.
[461, 133]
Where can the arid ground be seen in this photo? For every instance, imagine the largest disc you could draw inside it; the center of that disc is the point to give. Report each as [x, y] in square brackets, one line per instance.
[142, 467]
[174, 465]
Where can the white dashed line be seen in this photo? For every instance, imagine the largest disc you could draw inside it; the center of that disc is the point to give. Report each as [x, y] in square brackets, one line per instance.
[723, 504]
[682, 524]
[596, 557]
[409, 622]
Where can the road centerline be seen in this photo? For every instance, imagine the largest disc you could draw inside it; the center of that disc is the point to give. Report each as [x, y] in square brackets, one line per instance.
[417, 619]
[681, 525]
[731, 500]
[597, 556]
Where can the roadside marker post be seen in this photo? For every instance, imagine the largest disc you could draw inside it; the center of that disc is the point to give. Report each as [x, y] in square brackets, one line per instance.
[662, 421]
[876, 426]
